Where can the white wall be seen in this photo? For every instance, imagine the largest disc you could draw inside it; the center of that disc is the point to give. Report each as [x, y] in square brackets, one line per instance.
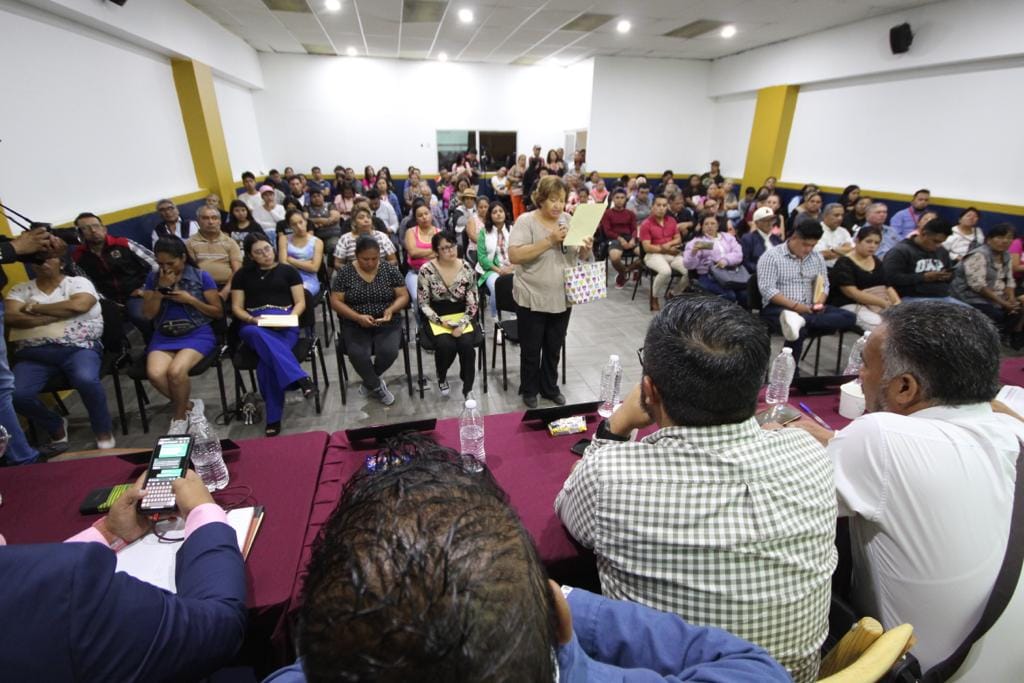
[731, 121]
[957, 134]
[241, 132]
[357, 111]
[648, 115]
[75, 136]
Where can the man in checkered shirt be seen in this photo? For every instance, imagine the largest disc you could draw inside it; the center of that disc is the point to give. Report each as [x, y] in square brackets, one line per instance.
[710, 516]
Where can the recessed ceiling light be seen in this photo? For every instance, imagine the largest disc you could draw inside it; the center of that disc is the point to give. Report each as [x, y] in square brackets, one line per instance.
[442, 56]
[351, 51]
[465, 15]
[623, 26]
[332, 5]
[728, 31]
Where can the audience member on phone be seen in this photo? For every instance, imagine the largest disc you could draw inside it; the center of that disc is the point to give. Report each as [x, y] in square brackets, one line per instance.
[80, 620]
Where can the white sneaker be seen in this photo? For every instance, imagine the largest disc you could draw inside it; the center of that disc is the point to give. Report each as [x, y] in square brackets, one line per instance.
[791, 322]
[178, 427]
[383, 395]
[104, 444]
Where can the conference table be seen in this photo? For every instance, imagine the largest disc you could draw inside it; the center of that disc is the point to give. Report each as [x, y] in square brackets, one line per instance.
[40, 505]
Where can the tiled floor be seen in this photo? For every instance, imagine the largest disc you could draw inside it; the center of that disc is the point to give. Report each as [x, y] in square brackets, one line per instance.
[615, 325]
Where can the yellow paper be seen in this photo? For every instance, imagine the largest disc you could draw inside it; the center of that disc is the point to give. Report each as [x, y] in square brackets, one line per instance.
[584, 223]
[444, 329]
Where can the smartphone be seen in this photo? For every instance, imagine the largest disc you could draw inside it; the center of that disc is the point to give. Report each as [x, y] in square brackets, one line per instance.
[169, 462]
[165, 290]
[786, 415]
[580, 447]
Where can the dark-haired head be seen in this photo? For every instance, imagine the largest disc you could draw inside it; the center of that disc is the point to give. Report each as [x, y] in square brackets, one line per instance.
[937, 226]
[365, 243]
[441, 238]
[172, 246]
[695, 346]
[868, 231]
[808, 227]
[969, 212]
[496, 216]
[424, 572]
[236, 215]
[930, 353]
[252, 241]
[1000, 231]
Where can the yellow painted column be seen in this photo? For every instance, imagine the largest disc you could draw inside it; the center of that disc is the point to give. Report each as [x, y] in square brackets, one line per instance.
[769, 135]
[15, 271]
[198, 100]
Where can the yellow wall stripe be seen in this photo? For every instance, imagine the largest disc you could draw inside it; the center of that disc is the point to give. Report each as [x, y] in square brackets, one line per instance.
[198, 100]
[15, 271]
[112, 217]
[769, 133]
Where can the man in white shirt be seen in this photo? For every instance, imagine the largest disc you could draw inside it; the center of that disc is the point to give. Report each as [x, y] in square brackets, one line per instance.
[268, 213]
[927, 479]
[251, 195]
[835, 239]
[383, 210]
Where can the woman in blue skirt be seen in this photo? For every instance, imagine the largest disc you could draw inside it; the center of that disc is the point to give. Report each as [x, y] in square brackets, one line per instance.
[263, 288]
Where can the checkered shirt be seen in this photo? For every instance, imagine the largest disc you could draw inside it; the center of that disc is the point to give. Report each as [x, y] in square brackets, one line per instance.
[728, 526]
[780, 272]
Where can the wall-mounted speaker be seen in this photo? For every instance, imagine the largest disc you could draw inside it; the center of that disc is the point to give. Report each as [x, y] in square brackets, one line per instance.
[900, 38]
[119, 3]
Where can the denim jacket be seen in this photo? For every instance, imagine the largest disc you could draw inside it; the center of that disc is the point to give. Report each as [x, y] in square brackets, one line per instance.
[191, 281]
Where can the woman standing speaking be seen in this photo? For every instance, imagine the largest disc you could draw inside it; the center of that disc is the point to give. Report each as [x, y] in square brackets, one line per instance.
[537, 249]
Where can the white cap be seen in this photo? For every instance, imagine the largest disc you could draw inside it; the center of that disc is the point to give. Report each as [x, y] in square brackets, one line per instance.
[470, 404]
[762, 213]
[614, 357]
[786, 349]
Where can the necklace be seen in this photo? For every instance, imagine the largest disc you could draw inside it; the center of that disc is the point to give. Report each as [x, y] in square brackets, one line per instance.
[265, 273]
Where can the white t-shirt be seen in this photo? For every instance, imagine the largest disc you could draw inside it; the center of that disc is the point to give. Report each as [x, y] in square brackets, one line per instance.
[930, 497]
[268, 219]
[830, 239]
[253, 201]
[82, 330]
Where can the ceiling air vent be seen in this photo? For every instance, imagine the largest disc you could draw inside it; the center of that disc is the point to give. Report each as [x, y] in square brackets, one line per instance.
[587, 22]
[319, 49]
[423, 11]
[288, 6]
[695, 28]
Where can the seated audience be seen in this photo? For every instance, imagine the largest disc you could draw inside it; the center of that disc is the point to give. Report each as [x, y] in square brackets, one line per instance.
[381, 208]
[117, 267]
[437, 209]
[55, 327]
[181, 300]
[318, 182]
[473, 227]
[641, 204]
[662, 242]
[418, 248]
[876, 218]
[213, 201]
[265, 287]
[835, 239]
[966, 235]
[919, 267]
[848, 198]
[362, 224]
[171, 223]
[240, 223]
[857, 213]
[984, 280]
[500, 187]
[682, 215]
[387, 192]
[905, 222]
[1016, 250]
[302, 251]
[213, 251]
[447, 298]
[927, 478]
[324, 219]
[250, 196]
[763, 237]
[378, 224]
[810, 206]
[859, 283]
[799, 198]
[599, 192]
[368, 294]
[104, 625]
[793, 280]
[269, 213]
[711, 249]
[344, 200]
[710, 517]
[428, 527]
[712, 176]
[492, 251]
[617, 233]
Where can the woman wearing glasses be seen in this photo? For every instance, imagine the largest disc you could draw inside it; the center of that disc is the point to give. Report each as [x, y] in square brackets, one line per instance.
[263, 288]
[447, 299]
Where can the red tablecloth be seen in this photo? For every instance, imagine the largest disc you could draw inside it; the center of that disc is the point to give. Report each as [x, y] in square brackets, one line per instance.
[40, 505]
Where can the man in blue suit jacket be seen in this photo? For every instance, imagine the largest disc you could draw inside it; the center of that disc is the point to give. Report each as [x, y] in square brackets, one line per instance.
[760, 238]
[68, 616]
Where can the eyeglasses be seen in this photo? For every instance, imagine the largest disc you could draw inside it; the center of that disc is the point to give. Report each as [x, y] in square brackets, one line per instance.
[446, 247]
[263, 250]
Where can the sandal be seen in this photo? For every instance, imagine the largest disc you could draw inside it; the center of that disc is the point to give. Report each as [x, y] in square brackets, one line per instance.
[306, 387]
[273, 429]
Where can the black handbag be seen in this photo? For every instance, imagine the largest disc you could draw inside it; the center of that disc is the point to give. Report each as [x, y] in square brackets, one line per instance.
[731, 277]
[177, 328]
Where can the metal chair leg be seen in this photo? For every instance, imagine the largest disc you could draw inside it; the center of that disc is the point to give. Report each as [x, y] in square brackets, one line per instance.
[340, 357]
[564, 359]
[119, 397]
[140, 396]
[420, 379]
[504, 367]
[315, 350]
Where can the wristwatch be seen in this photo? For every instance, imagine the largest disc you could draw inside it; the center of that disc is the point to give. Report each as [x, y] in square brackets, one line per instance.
[605, 432]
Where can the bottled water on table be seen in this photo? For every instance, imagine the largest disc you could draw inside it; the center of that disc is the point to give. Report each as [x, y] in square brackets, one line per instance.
[208, 457]
[611, 382]
[779, 379]
[856, 360]
[471, 436]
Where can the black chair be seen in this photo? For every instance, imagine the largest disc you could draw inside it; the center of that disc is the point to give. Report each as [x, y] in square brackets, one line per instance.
[115, 355]
[324, 276]
[136, 370]
[306, 349]
[339, 353]
[508, 330]
[425, 341]
[650, 274]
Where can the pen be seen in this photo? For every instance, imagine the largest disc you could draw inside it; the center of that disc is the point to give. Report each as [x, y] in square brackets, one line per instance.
[804, 407]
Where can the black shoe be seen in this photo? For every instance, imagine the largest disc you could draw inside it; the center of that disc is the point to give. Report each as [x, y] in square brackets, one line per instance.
[557, 399]
[50, 450]
[530, 401]
[273, 429]
[306, 387]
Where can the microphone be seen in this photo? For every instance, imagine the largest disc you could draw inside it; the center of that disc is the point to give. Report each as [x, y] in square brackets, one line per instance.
[563, 223]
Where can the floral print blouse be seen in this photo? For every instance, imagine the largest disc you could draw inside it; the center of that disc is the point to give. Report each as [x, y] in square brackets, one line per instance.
[431, 289]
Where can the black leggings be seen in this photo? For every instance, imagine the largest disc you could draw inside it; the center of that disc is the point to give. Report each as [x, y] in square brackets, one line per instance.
[541, 337]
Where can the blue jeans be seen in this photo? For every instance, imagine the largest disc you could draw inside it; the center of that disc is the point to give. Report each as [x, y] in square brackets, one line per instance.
[18, 450]
[710, 284]
[829, 319]
[37, 364]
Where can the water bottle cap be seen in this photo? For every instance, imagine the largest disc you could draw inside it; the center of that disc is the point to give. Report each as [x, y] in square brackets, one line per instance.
[867, 333]
[786, 350]
[470, 404]
[614, 357]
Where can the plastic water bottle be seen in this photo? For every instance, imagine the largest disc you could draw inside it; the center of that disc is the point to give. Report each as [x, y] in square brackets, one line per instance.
[856, 360]
[471, 436]
[779, 379]
[208, 457]
[611, 382]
